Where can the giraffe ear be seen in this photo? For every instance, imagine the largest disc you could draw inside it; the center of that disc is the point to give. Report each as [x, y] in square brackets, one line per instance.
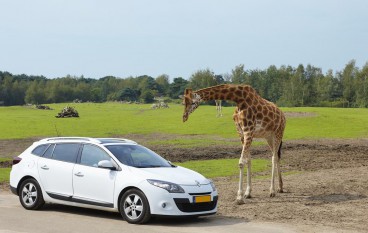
[181, 97]
[188, 91]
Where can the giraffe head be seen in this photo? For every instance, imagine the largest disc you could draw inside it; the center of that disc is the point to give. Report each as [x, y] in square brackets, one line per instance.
[191, 102]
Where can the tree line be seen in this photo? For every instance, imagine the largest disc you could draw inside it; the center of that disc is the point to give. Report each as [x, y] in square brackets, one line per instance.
[287, 86]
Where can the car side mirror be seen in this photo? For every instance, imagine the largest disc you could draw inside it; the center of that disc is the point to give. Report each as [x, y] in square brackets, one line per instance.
[106, 164]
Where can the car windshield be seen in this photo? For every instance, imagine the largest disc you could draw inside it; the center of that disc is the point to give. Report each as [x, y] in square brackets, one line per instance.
[137, 156]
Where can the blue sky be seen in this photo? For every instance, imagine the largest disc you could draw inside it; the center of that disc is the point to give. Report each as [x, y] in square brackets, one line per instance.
[178, 37]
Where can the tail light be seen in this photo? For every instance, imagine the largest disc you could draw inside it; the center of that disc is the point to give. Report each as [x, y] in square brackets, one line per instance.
[16, 160]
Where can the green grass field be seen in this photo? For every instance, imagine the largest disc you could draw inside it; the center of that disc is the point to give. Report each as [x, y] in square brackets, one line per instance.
[328, 123]
[112, 119]
[4, 174]
[4, 159]
[223, 167]
[202, 129]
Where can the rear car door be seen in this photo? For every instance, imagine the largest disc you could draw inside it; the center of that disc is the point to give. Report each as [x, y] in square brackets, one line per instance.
[93, 185]
[56, 169]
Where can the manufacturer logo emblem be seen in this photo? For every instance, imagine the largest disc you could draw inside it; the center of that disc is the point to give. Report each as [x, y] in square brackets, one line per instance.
[198, 184]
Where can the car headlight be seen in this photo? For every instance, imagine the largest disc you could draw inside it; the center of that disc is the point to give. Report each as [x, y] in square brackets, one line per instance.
[212, 185]
[170, 187]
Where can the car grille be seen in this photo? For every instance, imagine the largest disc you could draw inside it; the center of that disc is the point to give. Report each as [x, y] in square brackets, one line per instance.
[184, 205]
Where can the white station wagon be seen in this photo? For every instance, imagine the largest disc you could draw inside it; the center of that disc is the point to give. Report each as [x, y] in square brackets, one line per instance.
[109, 174]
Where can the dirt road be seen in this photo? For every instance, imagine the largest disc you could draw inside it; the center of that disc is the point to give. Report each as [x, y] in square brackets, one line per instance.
[326, 186]
[57, 218]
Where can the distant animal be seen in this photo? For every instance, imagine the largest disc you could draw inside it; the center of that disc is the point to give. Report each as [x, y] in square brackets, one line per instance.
[163, 105]
[160, 104]
[218, 108]
[155, 106]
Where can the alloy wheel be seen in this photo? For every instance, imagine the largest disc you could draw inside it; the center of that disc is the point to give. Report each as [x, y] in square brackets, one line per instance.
[29, 194]
[133, 206]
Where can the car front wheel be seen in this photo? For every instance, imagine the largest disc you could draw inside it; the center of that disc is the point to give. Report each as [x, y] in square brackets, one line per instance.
[134, 207]
[30, 195]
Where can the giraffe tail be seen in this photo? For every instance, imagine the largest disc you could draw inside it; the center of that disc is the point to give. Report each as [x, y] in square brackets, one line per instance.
[279, 151]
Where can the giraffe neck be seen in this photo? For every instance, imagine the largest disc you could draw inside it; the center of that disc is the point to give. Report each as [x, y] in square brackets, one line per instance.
[236, 93]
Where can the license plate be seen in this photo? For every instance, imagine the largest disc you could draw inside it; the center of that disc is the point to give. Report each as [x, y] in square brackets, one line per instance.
[199, 199]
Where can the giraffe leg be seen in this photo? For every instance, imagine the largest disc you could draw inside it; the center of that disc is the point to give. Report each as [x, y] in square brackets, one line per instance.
[272, 188]
[217, 108]
[276, 167]
[249, 181]
[239, 196]
[244, 159]
[220, 108]
[272, 144]
[280, 189]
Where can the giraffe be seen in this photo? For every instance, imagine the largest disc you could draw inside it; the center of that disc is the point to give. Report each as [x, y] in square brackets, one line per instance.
[218, 80]
[218, 108]
[254, 117]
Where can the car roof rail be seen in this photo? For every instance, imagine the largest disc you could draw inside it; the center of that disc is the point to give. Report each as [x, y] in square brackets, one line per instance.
[66, 139]
[114, 140]
[95, 140]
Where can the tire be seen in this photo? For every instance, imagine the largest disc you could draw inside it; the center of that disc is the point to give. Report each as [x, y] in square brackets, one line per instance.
[134, 207]
[30, 195]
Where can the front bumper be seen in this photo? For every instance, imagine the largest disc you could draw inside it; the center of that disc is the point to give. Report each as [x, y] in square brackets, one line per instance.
[181, 204]
[184, 205]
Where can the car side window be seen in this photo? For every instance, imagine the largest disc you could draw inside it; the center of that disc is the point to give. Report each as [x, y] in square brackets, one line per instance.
[91, 155]
[66, 152]
[40, 150]
[48, 153]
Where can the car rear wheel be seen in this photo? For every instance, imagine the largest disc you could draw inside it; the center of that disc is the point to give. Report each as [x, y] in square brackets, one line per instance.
[30, 195]
[134, 207]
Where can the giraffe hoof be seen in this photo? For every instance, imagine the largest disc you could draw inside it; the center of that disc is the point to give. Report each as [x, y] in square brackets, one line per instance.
[239, 202]
[247, 196]
[280, 190]
[272, 194]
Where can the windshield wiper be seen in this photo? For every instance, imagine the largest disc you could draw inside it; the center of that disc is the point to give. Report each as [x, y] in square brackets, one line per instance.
[149, 166]
[171, 164]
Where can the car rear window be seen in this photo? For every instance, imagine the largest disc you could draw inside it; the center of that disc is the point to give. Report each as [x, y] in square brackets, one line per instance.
[40, 149]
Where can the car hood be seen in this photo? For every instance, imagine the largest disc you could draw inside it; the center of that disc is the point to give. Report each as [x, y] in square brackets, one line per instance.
[178, 175]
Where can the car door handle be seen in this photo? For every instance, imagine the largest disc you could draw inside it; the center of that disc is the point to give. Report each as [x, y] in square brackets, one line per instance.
[45, 167]
[79, 174]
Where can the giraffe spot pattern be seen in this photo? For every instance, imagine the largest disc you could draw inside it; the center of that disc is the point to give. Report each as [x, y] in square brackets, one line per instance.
[252, 111]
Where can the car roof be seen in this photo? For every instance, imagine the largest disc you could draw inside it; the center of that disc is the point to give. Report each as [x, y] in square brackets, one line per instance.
[88, 139]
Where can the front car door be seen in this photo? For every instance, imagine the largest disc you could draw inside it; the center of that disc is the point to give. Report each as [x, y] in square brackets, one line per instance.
[56, 169]
[93, 185]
